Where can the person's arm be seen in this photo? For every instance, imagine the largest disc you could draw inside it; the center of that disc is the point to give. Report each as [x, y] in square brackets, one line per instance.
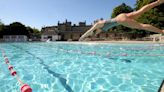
[95, 29]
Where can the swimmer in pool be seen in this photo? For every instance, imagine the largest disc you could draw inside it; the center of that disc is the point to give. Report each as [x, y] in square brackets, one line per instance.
[125, 19]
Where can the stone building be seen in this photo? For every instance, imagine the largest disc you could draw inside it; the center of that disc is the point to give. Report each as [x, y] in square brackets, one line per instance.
[50, 33]
[72, 32]
[65, 31]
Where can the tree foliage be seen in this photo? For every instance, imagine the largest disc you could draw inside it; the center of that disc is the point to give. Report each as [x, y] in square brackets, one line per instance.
[34, 33]
[1, 29]
[123, 8]
[17, 28]
[1, 22]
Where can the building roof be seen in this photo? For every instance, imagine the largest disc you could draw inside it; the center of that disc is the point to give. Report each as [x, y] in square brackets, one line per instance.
[72, 31]
[49, 32]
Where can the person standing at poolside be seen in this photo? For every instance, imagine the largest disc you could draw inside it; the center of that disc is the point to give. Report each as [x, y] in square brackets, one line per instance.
[125, 19]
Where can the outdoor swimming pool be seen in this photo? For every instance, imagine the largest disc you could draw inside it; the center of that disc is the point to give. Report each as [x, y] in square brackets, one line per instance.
[83, 67]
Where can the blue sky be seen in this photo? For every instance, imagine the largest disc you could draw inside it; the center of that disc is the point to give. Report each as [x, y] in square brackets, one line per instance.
[39, 13]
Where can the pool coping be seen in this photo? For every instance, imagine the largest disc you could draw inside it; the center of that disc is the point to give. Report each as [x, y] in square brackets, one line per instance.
[129, 41]
[112, 42]
[123, 42]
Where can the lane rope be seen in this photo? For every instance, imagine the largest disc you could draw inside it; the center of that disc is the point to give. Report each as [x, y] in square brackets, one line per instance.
[24, 87]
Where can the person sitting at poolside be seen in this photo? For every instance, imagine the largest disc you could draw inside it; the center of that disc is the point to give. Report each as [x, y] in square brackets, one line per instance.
[125, 19]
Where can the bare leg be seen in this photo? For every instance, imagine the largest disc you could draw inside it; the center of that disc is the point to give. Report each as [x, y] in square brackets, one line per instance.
[131, 23]
[136, 14]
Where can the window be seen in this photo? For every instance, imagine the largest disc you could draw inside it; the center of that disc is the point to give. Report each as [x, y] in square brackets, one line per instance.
[107, 35]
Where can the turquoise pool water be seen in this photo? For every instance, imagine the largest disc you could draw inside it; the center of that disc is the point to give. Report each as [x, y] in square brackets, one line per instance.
[83, 67]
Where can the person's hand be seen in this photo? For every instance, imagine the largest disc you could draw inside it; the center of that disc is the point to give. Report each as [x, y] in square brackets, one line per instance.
[85, 39]
[81, 39]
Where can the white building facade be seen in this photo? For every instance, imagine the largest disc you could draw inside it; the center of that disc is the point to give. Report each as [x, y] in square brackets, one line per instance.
[50, 35]
[15, 38]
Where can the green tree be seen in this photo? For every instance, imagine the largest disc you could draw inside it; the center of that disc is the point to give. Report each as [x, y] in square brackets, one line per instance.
[1, 29]
[1, 22]
[17, 28]
[123, 8]
[1, 25]
[34, 32]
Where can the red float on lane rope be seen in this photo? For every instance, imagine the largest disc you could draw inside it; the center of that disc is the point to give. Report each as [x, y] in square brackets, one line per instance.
[13, 73]
[6, 60]
[26, 88]
[10, 67]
